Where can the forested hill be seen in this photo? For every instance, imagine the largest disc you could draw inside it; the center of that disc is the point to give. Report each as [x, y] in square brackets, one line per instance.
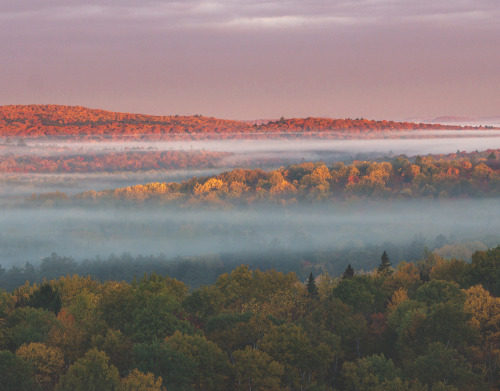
[56, 120]
[312, 182]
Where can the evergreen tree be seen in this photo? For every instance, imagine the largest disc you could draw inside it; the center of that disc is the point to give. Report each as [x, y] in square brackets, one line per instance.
[45, 297]
[348, 273]
[312, 289]
[385, 265]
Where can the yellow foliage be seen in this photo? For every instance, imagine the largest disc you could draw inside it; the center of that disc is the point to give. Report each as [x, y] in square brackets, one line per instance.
[139, 381]
[397, 298]
[47, 362]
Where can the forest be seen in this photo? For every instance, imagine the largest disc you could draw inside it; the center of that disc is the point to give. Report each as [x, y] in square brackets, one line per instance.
[79, 122]
[400, 178]
[109, 162]
[291, 254]
[433, 324]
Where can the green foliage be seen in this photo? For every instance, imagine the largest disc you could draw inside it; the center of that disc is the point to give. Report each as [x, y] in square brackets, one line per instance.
[15, 373]
[174, 367]
[92, 372]
[25, 325]
[385, 265]
[258, 330]
[360, 292]
[117, 347]
[437, 291]
[444, 365]
[370, 373]
[158, 302]
[485, 269]
[211, 364]
[349, 272]
[45, 296]
[256, 370]
[312, 289]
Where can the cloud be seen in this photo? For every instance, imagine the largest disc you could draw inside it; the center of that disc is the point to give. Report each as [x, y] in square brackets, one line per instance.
[196, 14]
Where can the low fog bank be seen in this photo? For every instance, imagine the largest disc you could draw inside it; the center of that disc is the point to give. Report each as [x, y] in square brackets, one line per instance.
[31, 234]
[410, 143]
[416, 142]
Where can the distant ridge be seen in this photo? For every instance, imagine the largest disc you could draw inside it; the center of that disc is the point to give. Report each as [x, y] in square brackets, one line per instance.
[450, 118]
[453, 119]
[77, 121]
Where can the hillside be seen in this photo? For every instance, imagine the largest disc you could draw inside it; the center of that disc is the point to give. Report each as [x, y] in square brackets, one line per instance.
[426, 178]
[76, 121]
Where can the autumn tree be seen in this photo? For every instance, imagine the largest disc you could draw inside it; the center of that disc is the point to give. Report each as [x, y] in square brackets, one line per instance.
[47, 362]
[139, 381]
[256, 370]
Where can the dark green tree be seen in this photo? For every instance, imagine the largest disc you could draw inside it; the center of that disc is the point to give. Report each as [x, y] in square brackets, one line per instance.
[312, 289]
[385, 265]
[45, 297]
[348, 273]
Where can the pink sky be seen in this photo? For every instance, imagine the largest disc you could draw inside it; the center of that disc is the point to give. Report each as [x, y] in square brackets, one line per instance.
[255, 59]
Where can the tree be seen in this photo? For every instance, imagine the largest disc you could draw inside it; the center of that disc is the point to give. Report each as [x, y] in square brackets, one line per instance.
[348, 273]
[290, 346]
[117, 347]
[15, 373]
[139, 381]
[312, 289]
[92, 372]
[256, 370]
[174, 367]
[47, 362]
[369, 373]
[29, 325]
[484, 310]
[45, 297]
[441, 364]
[385, 265]
[212, 365]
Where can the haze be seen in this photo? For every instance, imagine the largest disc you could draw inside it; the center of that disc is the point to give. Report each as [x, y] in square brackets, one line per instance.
[89, 232]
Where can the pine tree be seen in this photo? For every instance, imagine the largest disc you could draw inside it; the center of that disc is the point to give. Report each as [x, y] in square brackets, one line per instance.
[385, 265]
[348, 273]
[312, 289]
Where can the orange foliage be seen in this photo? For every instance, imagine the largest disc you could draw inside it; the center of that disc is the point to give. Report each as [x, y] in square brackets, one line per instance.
[77, 121]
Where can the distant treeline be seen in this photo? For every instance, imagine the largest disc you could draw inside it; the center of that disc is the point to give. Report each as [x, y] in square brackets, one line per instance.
[109, 162]
[196, 271]
[76, 121]
[400, 178]
[425, 326]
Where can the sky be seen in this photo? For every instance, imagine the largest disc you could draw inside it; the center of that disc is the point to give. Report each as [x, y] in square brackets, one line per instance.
[255, 59]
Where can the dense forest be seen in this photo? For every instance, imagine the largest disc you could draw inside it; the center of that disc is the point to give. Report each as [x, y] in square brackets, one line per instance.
[75, 121]
[433, 324]
[400, 178]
